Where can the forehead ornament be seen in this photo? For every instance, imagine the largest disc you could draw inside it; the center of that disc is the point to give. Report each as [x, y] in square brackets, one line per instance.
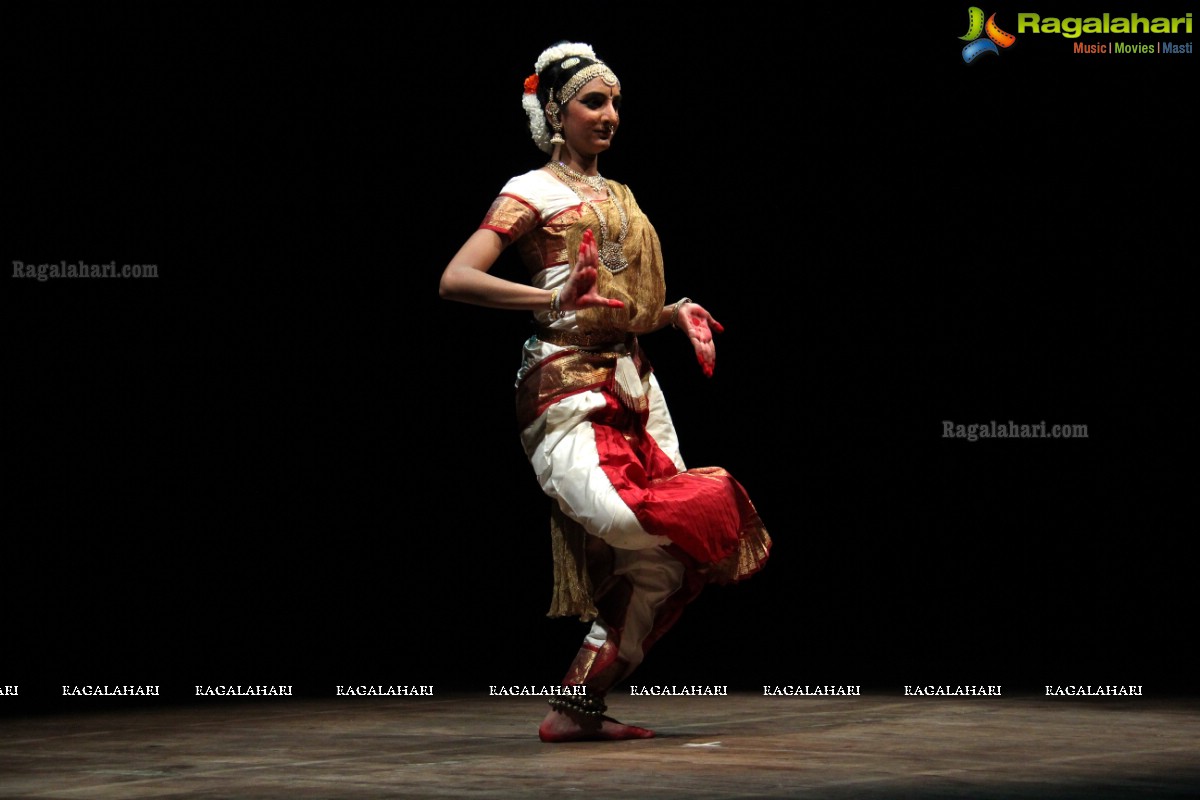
[575, 82]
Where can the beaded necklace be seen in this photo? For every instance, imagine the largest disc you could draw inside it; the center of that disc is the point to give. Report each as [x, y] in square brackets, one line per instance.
[612, 255]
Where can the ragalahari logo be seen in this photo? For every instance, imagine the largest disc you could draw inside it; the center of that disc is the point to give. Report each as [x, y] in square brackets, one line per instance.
[976, 27]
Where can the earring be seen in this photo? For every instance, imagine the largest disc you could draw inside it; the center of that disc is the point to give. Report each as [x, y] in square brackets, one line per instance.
[555, 122]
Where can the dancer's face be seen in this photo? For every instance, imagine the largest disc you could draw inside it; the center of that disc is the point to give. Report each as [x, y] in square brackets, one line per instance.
[591, 117]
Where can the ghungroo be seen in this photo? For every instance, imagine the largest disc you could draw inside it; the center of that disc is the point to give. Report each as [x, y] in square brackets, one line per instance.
[589, 706]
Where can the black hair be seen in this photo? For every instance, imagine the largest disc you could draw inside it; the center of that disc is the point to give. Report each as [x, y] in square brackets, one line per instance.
[553, 76]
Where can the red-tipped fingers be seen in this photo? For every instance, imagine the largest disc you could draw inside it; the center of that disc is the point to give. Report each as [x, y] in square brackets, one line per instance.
[588, 253]
[706, 356]
[593, 299]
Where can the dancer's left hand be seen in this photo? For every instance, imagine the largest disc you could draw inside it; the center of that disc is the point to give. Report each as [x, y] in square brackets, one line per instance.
[699, 325]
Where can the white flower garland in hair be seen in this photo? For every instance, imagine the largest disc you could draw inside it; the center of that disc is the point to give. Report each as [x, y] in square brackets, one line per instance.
[537, 122]
[561, 51]
[529, 100]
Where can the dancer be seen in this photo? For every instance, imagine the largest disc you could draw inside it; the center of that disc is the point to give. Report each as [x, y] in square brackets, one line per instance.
[636, 535]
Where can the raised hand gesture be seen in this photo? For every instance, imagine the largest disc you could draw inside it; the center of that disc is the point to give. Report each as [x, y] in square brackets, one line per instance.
[580, 289]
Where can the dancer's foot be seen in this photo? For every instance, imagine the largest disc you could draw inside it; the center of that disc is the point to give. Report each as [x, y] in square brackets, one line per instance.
[568, 726]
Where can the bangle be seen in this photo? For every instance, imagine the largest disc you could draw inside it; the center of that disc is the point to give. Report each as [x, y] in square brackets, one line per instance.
[675, 310]
[556, 311]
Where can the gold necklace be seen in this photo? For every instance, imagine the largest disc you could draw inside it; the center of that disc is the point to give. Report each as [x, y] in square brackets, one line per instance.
[612, 254]
[596, 181]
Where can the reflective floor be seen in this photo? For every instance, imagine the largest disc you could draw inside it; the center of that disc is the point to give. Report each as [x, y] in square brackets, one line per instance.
[738, 746]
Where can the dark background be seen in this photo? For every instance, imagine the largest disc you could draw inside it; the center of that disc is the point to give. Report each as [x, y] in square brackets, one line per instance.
[287, 461]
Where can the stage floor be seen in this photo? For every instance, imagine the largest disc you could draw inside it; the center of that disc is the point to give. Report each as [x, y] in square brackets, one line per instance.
[709, 748]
